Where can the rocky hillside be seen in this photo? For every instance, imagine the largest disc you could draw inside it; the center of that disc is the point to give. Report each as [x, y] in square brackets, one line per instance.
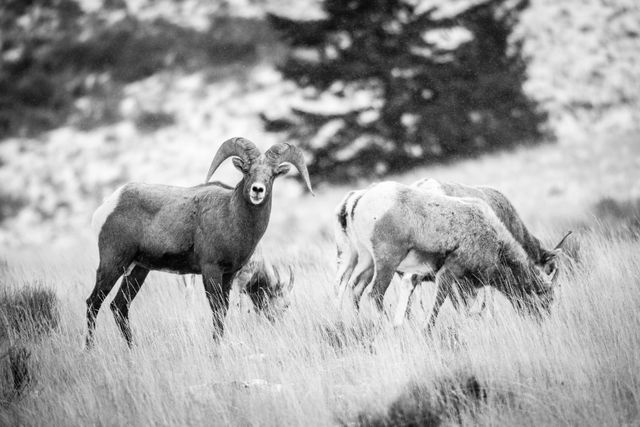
[583, 65]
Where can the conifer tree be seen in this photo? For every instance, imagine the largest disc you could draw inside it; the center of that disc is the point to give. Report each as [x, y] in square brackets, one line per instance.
[438, 84]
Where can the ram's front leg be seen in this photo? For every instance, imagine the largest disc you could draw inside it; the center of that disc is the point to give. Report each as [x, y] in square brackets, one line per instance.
[217, 286]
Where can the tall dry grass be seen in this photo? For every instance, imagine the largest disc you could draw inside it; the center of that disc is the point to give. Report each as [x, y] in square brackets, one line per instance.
[320, 366]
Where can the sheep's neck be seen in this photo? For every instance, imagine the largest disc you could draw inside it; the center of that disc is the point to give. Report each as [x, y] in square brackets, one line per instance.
[252, 220]
[520, 271]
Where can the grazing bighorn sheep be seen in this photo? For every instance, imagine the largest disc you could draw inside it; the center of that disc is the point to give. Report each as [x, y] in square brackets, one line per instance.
[395, 227]
[505, 211]
[208, 229]
[543, 258]
[262, 282]
[347, 245]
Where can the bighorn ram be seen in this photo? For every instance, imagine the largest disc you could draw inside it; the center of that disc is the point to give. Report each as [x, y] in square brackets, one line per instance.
[456, 239]
[208, 229]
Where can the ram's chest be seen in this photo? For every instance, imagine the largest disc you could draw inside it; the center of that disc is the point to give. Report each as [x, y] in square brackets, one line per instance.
[229, 251]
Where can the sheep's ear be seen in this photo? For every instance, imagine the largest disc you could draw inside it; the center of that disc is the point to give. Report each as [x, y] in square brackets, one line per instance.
[239, 164]
[550, 259]
[550, 266]
[282, 169]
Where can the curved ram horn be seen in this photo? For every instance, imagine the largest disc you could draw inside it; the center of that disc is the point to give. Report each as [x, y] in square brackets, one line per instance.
[238, 146]
[283, 152]
[559, 245]
[291, 280]
[273, 275]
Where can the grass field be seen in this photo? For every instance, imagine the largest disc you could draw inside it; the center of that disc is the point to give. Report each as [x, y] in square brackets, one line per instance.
[322, 366]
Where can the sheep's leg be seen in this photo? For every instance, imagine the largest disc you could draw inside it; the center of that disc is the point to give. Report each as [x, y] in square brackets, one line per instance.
[387, 259]
[361, 276]
[443, 284]
[418, 280]
[455, 295]
[346, 265]
[483, 306]
[217, 287]
[490, 293]
[107, 275]
[131, 284]
[470, 301]
[407, 286]
[383, 276]
[361, 284]
[487, 301]
[466, 293]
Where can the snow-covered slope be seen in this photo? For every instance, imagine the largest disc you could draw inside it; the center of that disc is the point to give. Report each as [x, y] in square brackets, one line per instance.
[583, 68]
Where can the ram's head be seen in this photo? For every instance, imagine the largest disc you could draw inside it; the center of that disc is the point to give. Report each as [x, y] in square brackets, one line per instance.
[266, 287]
[259, 170]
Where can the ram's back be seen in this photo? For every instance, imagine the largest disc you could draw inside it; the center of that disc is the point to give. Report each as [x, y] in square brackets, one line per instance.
[157, 218]
[499, 203]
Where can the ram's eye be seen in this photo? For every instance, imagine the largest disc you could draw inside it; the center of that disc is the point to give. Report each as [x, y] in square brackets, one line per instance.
[282, 169]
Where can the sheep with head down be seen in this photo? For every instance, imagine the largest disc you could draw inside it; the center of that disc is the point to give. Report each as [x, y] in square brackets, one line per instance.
[266, 286]
[462, 242]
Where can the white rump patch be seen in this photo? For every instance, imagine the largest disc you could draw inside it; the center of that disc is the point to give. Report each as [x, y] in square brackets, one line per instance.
[104, 210]
[373, 205]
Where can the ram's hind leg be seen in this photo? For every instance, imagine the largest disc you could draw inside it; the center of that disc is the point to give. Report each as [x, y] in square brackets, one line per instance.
[361, 284]
[131, 284]
[361, 275]
[347, 260]
[387, 257]
[112, 266]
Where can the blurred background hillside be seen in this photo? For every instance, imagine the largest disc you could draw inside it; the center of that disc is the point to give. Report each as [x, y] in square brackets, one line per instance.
[95, 93]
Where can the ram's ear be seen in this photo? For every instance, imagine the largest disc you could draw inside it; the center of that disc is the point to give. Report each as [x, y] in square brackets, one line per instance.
[282, 169]
[549, 265]
[239, 164]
